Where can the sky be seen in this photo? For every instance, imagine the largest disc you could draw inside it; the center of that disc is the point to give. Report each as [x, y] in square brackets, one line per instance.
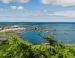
[37, 10]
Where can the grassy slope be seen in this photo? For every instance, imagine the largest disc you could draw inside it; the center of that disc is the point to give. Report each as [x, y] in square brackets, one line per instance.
[15, 47]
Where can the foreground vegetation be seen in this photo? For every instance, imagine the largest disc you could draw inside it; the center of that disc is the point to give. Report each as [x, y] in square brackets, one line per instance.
[15, 47]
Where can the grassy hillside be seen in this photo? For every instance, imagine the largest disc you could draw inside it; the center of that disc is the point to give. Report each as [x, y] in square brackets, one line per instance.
[15, 47]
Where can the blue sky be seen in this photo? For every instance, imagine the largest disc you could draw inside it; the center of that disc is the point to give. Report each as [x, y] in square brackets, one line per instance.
[37, 10]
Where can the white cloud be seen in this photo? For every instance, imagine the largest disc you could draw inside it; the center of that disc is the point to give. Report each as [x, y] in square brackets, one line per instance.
[6, 1]
[51, 18]
[20, 8]
[62, 16]
[19, 1]
[17, 8]
[23, 1]
[13, 7]
[65, 13]
[46, 1]
[59, 2]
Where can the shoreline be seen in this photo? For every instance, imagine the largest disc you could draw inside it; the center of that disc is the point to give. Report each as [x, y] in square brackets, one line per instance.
[12, 29]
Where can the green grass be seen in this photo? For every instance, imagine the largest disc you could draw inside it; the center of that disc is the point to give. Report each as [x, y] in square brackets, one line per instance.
[3, 33]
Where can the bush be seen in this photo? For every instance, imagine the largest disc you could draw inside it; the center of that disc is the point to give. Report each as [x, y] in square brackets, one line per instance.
[15, 47]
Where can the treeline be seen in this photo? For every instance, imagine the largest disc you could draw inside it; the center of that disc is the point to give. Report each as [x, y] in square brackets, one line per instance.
[15, 47]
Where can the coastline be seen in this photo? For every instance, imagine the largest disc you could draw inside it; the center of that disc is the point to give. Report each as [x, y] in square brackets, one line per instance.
[12, 29]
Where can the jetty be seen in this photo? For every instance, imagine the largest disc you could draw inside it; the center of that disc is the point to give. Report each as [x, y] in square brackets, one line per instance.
[40, 28]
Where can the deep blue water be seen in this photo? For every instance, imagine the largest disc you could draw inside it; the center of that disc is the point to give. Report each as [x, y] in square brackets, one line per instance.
[23, 23]
[65, 31]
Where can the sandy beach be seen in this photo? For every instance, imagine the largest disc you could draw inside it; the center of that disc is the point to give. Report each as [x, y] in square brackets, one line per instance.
[12, 29]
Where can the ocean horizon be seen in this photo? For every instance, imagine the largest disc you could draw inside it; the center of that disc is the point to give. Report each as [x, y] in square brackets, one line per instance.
[37, 23]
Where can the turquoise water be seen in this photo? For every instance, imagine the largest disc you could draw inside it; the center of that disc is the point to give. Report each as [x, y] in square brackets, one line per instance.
[33, 36]
[64, 32]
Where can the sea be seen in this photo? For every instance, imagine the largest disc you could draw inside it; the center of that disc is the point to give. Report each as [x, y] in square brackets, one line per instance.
[64, 31]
